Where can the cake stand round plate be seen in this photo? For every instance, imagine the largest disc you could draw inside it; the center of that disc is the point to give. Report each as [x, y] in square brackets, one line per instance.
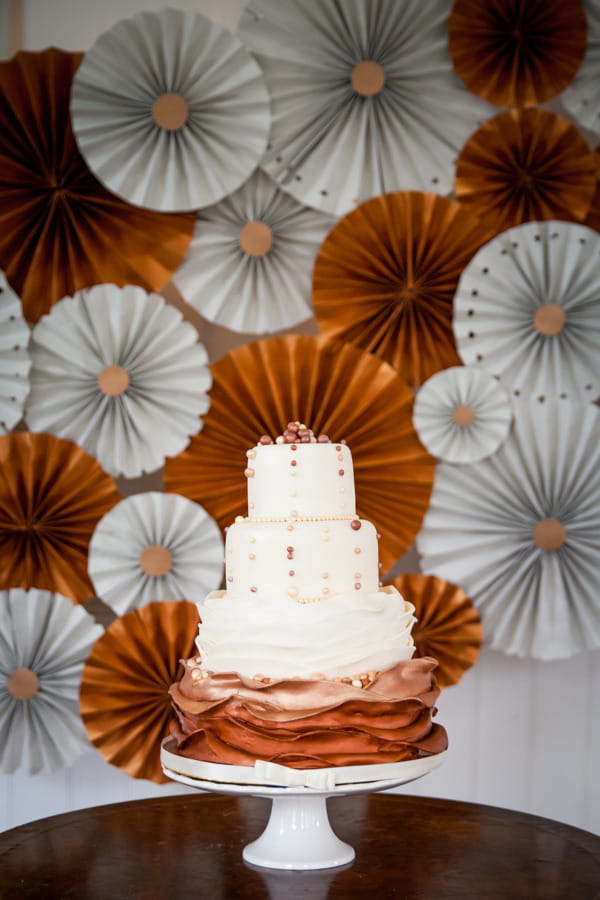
[298, 834]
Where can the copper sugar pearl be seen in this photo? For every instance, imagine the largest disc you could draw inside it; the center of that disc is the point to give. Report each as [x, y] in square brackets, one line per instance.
[296, 433]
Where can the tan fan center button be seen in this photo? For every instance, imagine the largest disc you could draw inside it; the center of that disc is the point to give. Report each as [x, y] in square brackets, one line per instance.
[256, 239]
[113, 380]
[367, 78]
[463, 415]
[22, 684]
[549, 319]
[549, 534]
[170, 111]
[156, 560]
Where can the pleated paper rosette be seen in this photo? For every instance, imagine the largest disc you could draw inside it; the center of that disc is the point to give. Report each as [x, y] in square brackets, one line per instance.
[448, 626]
[44, 642]
[462, 414]
[517, 52]
[118, 371]
[52, 494]
[124, 700]
[170, 110]
[250, 263]
[526, 165]
[520, 532]
[364, 97]
[155, 547]
[14, 357]
[333, 388]
[386, 274]
[582, 96]
[527, 309]
[61, 230]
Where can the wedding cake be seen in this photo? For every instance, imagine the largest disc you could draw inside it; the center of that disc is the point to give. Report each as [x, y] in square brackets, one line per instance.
[304, 659]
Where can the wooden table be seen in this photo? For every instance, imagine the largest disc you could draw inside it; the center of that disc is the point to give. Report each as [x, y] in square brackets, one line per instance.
[191, 846]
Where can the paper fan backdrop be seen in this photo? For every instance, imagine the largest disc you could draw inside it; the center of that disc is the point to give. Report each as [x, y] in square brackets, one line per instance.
[333, 388]
[44, 642]
[118, 371]
[527, 309]
[61, 230]
[525, 165]
[364, 97]
[448, 627]
[520, 532]
[385, 278]
[582, 97]
[170, 110]
[14, 357]
[517, 52]
[124, 700]
[593, 216]
[155, 547]
[52, 494]
[462, 414]
[250, 264]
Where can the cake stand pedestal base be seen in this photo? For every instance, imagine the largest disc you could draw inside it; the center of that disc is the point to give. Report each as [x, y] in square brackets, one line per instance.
[298, 836]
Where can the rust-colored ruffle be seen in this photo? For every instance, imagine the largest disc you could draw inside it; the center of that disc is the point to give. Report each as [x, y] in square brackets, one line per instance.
[308, 724]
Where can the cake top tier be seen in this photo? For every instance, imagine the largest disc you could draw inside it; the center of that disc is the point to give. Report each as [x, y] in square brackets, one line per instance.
[299, 476]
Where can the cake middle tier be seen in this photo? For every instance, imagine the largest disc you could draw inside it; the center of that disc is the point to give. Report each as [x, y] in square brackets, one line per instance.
[306, 561]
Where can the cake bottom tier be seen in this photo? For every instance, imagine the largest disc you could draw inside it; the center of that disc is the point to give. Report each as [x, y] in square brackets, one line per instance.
[225, 718]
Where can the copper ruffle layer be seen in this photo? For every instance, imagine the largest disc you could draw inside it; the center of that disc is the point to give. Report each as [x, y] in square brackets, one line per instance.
[308, 724]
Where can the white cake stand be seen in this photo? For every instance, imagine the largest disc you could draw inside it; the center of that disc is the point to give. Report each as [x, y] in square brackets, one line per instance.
[298, 834]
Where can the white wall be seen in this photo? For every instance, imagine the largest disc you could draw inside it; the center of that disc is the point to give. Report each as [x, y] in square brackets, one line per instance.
[523, 734]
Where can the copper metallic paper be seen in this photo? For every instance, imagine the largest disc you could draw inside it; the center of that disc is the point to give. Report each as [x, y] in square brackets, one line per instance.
[124, 699]
[517, 52]
[448, 626]
[526, 165]
[52, 494]
[60, 229]
[386, 274]
[333, 388]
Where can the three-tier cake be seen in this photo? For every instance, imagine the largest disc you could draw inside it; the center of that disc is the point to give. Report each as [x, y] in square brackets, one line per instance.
[304, 659]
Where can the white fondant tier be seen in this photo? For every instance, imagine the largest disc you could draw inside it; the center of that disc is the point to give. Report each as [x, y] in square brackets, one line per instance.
[289, 481]
[307, 561]
[343, 636]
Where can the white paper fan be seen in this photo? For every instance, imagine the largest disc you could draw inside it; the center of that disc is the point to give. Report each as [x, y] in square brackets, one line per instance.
[520, 532]
[44, 642]
[527, 309]
[250, 262]
[155, 546]
[364, 95]
[119, 372]
[462, 414]
[582, 97]
[169, 110]
[14, 357]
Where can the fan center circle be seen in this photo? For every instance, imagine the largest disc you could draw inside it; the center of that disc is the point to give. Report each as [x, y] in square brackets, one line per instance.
[256, 238]
[367, 78]
[113, 380]
[170, 111]
[549, 534]
[156, 560]
[22, 684]
[463, 415]
[549, 319]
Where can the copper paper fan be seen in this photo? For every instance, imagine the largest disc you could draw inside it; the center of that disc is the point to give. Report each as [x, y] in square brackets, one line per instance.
[386, 274]
[334, 388]
[448, 626]
[52, 494]
[526, 165]
[61, 230]
[593, 216]
[124, 698]
[517, 52]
